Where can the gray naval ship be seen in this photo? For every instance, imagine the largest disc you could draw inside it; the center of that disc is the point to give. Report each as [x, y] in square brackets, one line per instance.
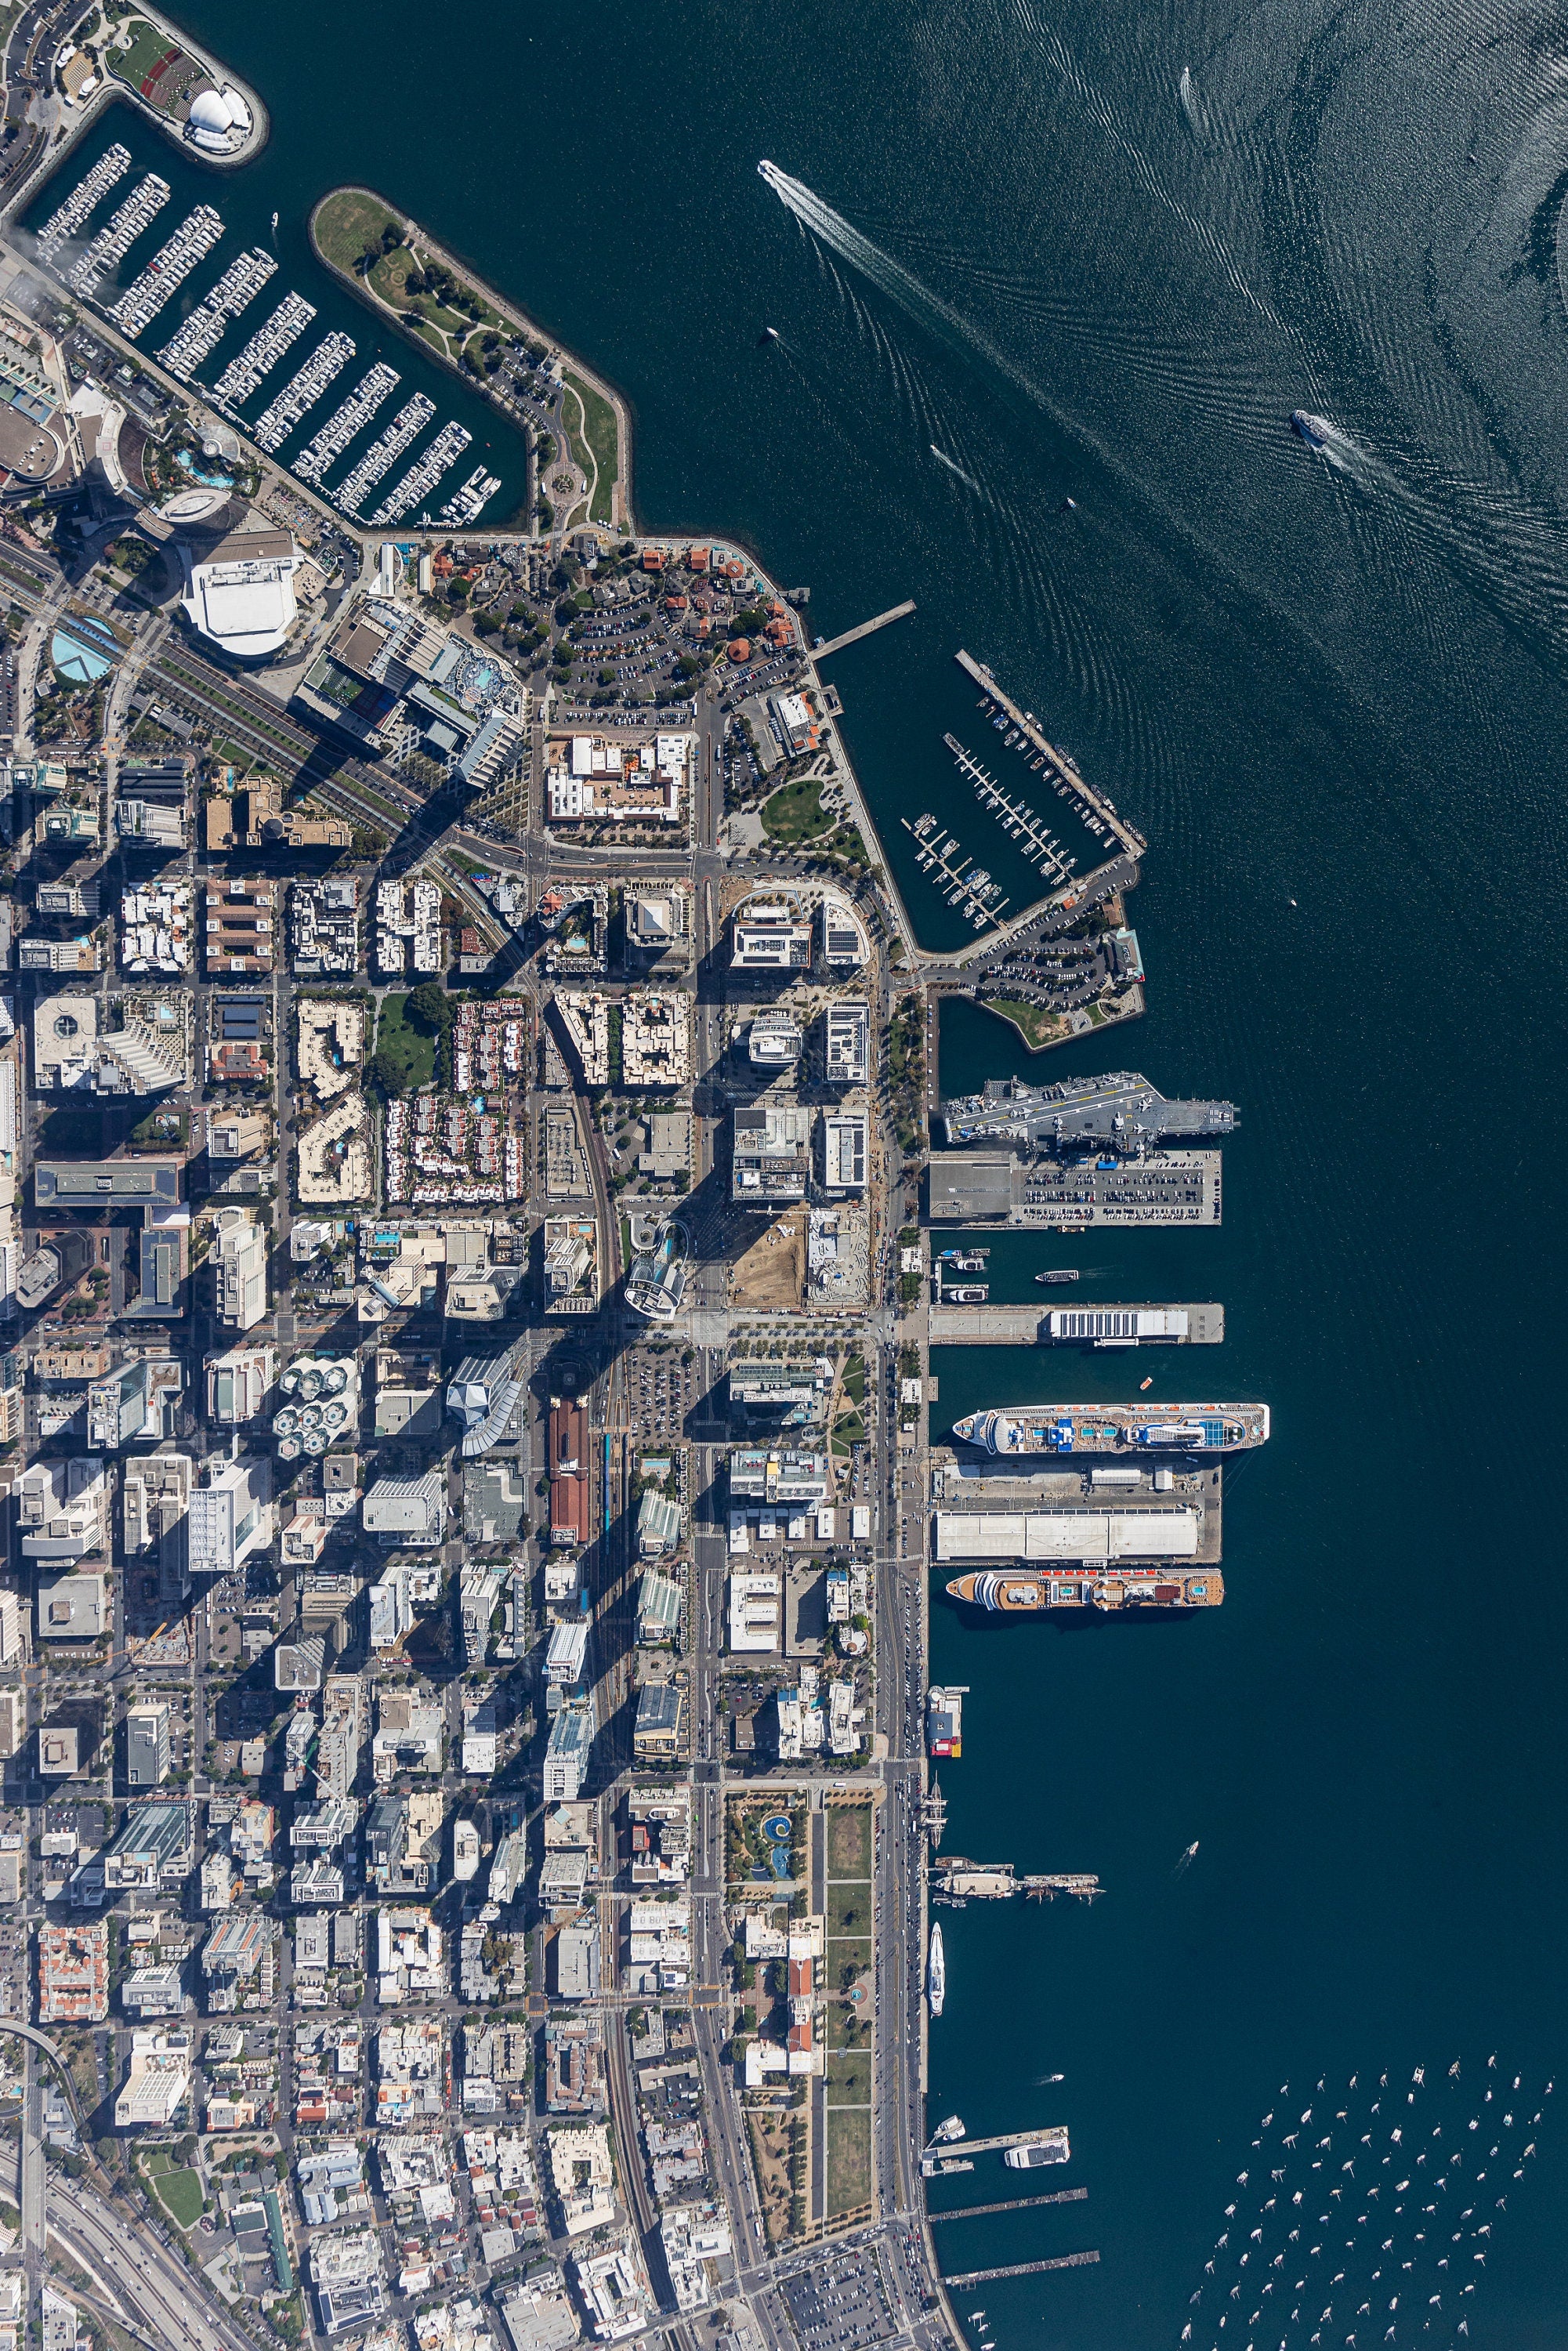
[1120, 1112]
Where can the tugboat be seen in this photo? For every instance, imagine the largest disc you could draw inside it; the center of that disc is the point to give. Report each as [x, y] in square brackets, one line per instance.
[1308, 428]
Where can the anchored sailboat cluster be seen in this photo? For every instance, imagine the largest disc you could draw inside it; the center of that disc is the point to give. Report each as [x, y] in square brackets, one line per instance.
[198, 336]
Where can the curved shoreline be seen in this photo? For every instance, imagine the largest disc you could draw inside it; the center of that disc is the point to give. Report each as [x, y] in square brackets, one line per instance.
[621, 508]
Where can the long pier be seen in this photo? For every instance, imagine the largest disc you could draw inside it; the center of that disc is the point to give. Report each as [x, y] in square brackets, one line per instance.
[866, 629]
[1009, 2204]
[1021, 2269]
[991, 2145]
[1061, 768]
[1029, 1326]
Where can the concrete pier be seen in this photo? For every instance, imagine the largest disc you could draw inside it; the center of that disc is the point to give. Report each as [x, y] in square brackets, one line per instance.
[1023, 2269]
[1059, 766]
[1011, 2204]
[1029, 1326]
[866, 629]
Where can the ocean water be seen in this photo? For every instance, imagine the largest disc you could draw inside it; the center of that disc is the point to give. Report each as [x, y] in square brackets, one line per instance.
[1103, 254]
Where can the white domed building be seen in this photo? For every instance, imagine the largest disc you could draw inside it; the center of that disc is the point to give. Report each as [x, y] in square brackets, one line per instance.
[219, 121]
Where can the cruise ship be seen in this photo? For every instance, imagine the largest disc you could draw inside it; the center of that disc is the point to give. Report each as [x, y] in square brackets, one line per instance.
[1047, 1428]
[1000, 1591]
[935, 1974]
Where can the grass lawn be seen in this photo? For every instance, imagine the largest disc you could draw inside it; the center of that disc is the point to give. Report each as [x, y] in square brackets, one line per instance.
[348, 221]
[849, 2158]
[854, 1378]
[148, 47]
[795, 811]
[411, 1049]
[848, 1956]
[603, 440]
[848, 1908]
[849, 1839]
[849, 2079]
[1034, 1024]
[848, 2026]
[180, 2193]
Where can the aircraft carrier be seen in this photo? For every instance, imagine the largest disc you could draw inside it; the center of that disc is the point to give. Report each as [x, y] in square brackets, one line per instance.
[1120, 1112]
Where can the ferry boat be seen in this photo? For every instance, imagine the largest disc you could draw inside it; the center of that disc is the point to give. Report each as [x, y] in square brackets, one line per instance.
[1011, 1595]
[969, 1294]
[935, 1974]
[1058, 1273]
[1047, 1428]
[945, 1722]
[1050, 2148]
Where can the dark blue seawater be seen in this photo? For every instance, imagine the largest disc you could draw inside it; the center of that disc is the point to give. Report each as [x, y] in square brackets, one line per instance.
[1332, 680]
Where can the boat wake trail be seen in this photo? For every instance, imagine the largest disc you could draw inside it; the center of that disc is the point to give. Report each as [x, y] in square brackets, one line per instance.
[1337, 448]
[968, 479]
[1192, 106]
[901, 285]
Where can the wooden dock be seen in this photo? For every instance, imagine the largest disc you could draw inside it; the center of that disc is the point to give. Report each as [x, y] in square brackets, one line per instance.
[1017, 818]
[937, 848]
[1023, 2269]
[866, 629]
[1060, 769]
[1009, 2204]
[1029, 1326]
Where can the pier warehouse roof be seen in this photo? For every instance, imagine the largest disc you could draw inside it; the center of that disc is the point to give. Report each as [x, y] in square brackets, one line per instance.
[1052, 1535]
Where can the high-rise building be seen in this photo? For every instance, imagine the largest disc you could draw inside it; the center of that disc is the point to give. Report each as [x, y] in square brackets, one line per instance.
[147, 1751]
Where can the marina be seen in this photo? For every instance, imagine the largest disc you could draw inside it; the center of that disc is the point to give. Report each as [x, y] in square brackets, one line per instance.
[972, 890]
[264, 351]
[114, 241]
[1017, 818]
[421, 479]
[341, 427]
[382, 455]
[325, 362]
[1075, 1326]
[167, 271]
[200, 335]
[467, 504]
[1091, 806]
[1045, 1430]
[83, 201]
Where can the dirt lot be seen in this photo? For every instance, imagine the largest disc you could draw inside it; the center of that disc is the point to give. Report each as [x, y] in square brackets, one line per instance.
[770, 2133]
[771, 1272]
